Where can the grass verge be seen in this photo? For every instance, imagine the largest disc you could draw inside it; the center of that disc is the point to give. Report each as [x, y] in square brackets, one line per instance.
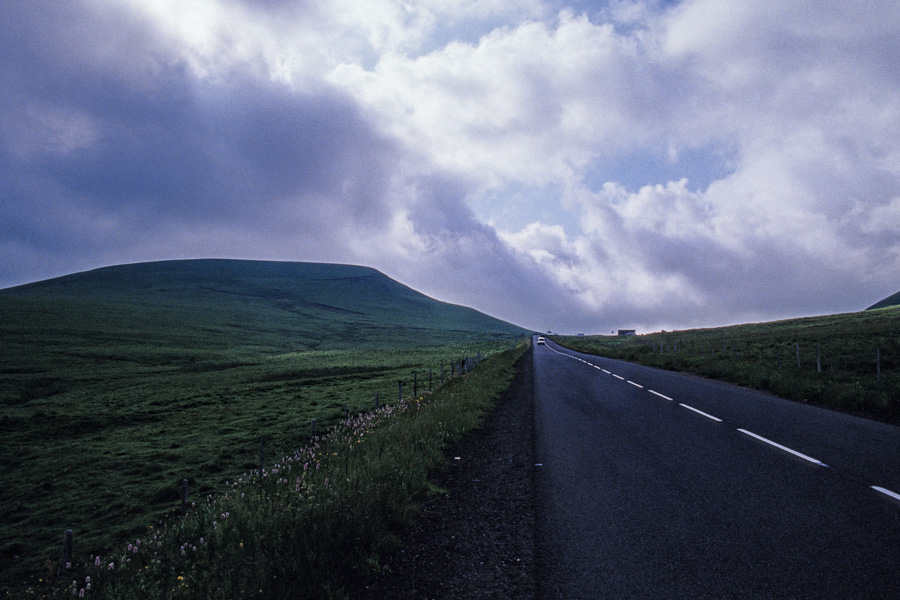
[848, 362]
[313, 522]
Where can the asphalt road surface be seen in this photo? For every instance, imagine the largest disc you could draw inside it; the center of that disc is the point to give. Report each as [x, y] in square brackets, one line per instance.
[657, 485]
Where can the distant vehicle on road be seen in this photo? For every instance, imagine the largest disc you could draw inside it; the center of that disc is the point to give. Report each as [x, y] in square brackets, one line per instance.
[541, 341]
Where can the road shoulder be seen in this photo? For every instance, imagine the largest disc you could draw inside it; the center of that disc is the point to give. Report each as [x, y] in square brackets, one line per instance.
[477, 540]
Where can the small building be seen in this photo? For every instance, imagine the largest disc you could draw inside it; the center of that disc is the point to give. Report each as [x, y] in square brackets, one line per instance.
[623, 332]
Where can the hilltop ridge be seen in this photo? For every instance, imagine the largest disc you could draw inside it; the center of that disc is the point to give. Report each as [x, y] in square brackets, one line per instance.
[308, 305]
[892, 300]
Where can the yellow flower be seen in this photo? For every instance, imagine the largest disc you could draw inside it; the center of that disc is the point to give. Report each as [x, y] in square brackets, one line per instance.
[181, 578]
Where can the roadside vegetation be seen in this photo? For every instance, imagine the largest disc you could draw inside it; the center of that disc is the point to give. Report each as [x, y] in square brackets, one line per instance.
[307, 525]
[848, 362]
[117, 385]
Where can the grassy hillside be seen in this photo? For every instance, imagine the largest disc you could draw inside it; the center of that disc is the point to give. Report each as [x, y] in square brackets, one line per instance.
[249, 306]
[892, 300]
[840, 357]
[116, 384]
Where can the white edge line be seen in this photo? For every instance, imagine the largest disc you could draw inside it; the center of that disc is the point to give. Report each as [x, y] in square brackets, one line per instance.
[635, 384]
[618, 377]
[660, 395]
[605, 371]
[785, 448]
[886, 492]
[700, 412]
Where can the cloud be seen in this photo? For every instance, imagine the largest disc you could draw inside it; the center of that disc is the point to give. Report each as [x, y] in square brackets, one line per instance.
[801, 109]
[564, 165]
[150, 156]
[86, 145]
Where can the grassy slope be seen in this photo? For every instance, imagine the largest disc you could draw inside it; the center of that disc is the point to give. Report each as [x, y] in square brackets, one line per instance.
[116, 384]
[253, 305]
[892, 300]
[764, 356]
[316, 520]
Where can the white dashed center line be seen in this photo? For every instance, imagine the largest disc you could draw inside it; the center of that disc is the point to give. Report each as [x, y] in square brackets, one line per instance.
[893, 495]
[880, 490]
[785, 448]
[700, 412]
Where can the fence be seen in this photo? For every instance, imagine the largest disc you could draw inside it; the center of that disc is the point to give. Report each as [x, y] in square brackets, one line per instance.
[438, 375]
[810, 356]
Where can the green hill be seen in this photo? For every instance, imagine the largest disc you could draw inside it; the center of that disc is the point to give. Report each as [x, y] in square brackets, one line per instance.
[117, 383]
[893, 300]
[249, 304]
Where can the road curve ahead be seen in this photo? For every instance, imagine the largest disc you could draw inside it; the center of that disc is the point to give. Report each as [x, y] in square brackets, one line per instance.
[656, 485]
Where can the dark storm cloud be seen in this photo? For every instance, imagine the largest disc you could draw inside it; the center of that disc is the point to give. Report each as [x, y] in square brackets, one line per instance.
[145, 143]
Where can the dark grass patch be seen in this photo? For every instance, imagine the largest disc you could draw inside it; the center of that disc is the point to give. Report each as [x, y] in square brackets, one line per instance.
[318, 519]
[846, 362]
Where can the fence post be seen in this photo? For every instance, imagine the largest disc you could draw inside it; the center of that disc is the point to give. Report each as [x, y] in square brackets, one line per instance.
[878, 364]
[312, 425]
[429, 380]
[442, 373]
[415, 384]
[347, 413]
[399, 390]
[376, 401]
[68, 542]
[185, 496]
[797, 348]
[818, 358]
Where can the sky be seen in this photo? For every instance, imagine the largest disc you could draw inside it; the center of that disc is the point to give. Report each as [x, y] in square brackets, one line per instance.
[575, 166]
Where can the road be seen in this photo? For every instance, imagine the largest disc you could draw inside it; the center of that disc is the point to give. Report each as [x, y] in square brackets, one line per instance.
[652, 484]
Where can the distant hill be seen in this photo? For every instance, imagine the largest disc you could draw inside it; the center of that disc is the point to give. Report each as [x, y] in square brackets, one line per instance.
[893, 300]
[285, 305]
[117, 384]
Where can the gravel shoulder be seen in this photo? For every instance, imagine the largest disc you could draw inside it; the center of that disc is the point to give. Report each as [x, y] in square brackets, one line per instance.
[477, 540]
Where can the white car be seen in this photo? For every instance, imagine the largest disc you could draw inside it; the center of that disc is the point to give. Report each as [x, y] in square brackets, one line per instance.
[541, 341]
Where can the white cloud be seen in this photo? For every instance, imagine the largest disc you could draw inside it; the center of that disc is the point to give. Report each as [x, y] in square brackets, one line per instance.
[769, 133]
[531, 103]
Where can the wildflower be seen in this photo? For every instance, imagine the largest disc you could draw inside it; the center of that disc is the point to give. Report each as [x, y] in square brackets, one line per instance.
[112, 566]
[81, 593]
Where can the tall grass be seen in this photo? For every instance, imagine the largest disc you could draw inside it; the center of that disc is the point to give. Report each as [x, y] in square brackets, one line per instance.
[839, 358]
[308, 525]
